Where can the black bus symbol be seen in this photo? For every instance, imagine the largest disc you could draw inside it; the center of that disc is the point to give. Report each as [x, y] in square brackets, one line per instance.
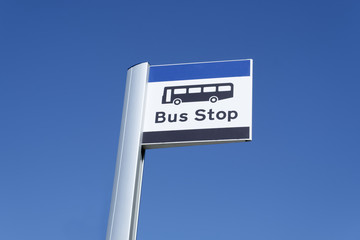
[198, 93]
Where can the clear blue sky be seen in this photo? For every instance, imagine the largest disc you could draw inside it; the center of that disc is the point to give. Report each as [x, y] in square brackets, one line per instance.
[62, 76]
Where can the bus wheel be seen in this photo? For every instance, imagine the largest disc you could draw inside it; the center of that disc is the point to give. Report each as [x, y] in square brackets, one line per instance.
[177, 101]
[213, 99]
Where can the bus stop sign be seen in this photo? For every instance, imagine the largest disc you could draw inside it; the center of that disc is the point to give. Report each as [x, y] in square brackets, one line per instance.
[198, 103]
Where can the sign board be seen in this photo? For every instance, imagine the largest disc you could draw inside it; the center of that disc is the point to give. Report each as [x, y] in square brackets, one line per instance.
[198, 103]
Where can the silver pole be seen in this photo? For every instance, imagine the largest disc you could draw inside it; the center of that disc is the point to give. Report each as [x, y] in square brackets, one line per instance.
[124, 210]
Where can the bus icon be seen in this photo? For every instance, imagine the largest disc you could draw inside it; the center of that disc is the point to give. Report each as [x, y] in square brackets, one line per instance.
[198, 93]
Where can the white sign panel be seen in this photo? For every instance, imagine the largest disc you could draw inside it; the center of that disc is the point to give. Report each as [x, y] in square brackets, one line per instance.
[198, 103]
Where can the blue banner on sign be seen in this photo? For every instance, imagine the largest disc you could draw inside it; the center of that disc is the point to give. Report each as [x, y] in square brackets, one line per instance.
[237, 68]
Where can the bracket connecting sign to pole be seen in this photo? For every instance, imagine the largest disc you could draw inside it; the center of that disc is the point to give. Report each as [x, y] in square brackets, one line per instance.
[175, 105]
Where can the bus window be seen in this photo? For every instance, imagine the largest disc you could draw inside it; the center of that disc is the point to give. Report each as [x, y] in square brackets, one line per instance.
[224, 88]
[209, 89]
[168, 95]
[180, 91]
[195, 90]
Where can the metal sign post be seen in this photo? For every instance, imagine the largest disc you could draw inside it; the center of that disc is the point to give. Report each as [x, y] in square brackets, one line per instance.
[175, 105]
[123, 217]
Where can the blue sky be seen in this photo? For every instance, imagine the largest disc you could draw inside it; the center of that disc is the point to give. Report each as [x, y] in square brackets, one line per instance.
[62, 77]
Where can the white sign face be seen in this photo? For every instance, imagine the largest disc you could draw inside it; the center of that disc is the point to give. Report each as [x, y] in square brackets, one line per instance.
[206, 103]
